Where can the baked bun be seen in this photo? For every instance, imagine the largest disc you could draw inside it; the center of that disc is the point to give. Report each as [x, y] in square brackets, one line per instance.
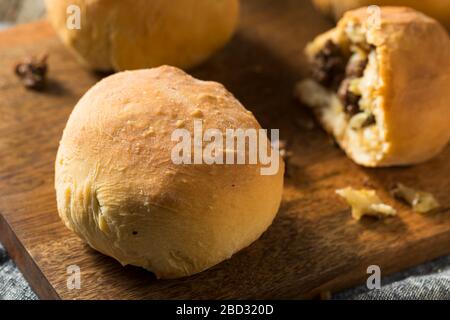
[134, 34]
[382, 89]
[438, 9]
[119, 190]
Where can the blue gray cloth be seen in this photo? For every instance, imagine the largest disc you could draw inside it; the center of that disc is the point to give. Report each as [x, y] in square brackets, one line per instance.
[13, 286]
[428, 281]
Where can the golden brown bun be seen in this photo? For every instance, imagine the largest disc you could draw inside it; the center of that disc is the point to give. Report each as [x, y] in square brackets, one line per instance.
[438, 9]
[134, 34]
[118, 189]
[406, 85]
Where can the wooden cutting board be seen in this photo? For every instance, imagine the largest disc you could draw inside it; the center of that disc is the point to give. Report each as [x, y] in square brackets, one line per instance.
[313, 244]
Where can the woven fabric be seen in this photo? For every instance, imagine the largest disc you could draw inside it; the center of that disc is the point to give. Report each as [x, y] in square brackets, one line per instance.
[428, 281]
[13, 286]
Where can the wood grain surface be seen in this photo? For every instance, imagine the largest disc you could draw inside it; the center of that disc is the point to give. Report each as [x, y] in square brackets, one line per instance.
[313, 244]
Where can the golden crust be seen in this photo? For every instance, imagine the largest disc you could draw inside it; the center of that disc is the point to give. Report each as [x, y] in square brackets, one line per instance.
[134, 34]
[413, 53]
[118, 189]
[438, 9]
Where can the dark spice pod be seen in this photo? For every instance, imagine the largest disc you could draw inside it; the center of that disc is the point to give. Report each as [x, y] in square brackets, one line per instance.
[33, 71]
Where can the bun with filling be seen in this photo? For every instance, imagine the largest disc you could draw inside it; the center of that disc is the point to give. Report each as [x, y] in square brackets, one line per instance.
[382, 90]
[438, 9]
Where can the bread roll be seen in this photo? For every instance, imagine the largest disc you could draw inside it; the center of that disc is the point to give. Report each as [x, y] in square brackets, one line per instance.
[119, 190]
[134, 34]
[382, 89]
[438, 9]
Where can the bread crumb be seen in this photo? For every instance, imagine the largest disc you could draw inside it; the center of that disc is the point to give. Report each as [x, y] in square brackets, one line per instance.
[365, 202]
[420, 201]
[284, 151]
[286, 154]
[149, 132]
[179, 123]
[197, 113]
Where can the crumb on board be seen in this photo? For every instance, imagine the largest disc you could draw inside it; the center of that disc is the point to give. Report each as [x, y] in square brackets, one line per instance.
[368, 183]
[365, 202]
[286, 154]
[284, 151]
[420, 201]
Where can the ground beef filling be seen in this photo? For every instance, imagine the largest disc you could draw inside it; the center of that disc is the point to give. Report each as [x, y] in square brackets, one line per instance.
[334, 70]
[328, 67]
[348, 98]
